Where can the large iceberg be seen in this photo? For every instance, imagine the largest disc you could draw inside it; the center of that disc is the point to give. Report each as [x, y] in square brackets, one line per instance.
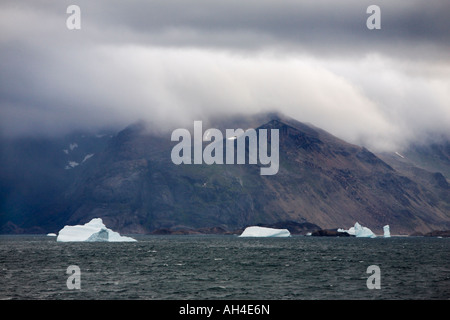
[265, 232]
[93, 231]
[387, 231]
[359, 231]
[363, 232]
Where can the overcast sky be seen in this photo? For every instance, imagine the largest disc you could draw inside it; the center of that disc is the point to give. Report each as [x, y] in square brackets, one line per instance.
[175, 61]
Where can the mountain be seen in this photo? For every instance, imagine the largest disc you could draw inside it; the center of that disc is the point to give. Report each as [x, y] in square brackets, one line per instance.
[35, 173]
[133, 185]
[432, 157]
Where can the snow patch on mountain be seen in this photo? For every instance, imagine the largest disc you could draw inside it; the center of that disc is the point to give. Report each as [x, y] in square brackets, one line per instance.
[71, 165]
[73, 146]
[398, 154]
[87, 157]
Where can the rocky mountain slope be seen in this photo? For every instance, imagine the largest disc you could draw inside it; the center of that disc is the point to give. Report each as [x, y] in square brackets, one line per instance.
[133, 185]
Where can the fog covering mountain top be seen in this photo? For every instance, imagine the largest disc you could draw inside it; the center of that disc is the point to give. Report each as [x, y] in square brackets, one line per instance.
[131, 183]
[167, 63]
[172, 62]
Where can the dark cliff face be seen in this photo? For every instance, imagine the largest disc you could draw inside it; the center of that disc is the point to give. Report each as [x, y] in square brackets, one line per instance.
[35, 173]
[134, 187]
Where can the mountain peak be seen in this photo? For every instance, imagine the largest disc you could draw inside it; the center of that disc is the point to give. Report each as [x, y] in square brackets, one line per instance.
[133, 185]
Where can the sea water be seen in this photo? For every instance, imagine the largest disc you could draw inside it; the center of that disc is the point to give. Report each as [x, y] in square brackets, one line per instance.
[225, 267]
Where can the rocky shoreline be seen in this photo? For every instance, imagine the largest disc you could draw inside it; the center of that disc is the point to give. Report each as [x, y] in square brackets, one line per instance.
[295, 228]
[435, 233]
[330, 233]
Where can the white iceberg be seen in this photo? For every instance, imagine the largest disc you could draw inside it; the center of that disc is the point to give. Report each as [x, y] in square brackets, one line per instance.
[94, 230]
[265, 232]
[387, 231]
[51, 234]
[363, 232]
[359, 231]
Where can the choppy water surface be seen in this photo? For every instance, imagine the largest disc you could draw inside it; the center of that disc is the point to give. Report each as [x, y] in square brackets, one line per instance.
[226, 267]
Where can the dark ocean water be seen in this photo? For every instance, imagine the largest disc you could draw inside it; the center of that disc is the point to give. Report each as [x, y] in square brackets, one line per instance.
[226, 267]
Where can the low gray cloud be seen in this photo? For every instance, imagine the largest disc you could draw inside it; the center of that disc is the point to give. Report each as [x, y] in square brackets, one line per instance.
[175, 61]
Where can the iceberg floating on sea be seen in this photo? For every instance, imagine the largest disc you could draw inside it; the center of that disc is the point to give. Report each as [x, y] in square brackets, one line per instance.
[387, 231]
[359, 231]
[93, 231]
[363, 232]
[264, 232]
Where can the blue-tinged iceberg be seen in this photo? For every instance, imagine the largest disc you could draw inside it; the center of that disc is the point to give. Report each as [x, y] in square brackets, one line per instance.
[93, 231]
[387, 231]
[359, 231]
[363, 232]
[265, 232]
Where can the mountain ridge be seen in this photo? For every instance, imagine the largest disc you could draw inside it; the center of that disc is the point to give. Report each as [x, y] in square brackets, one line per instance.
[135, 188]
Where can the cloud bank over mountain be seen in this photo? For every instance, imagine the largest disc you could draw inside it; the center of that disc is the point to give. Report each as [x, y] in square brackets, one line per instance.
[172, 62]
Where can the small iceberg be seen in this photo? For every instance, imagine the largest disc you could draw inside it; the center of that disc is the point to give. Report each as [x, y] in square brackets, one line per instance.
[265, 232]
[51, 234]
[93, 231]
[387, 231]
[359, 231]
